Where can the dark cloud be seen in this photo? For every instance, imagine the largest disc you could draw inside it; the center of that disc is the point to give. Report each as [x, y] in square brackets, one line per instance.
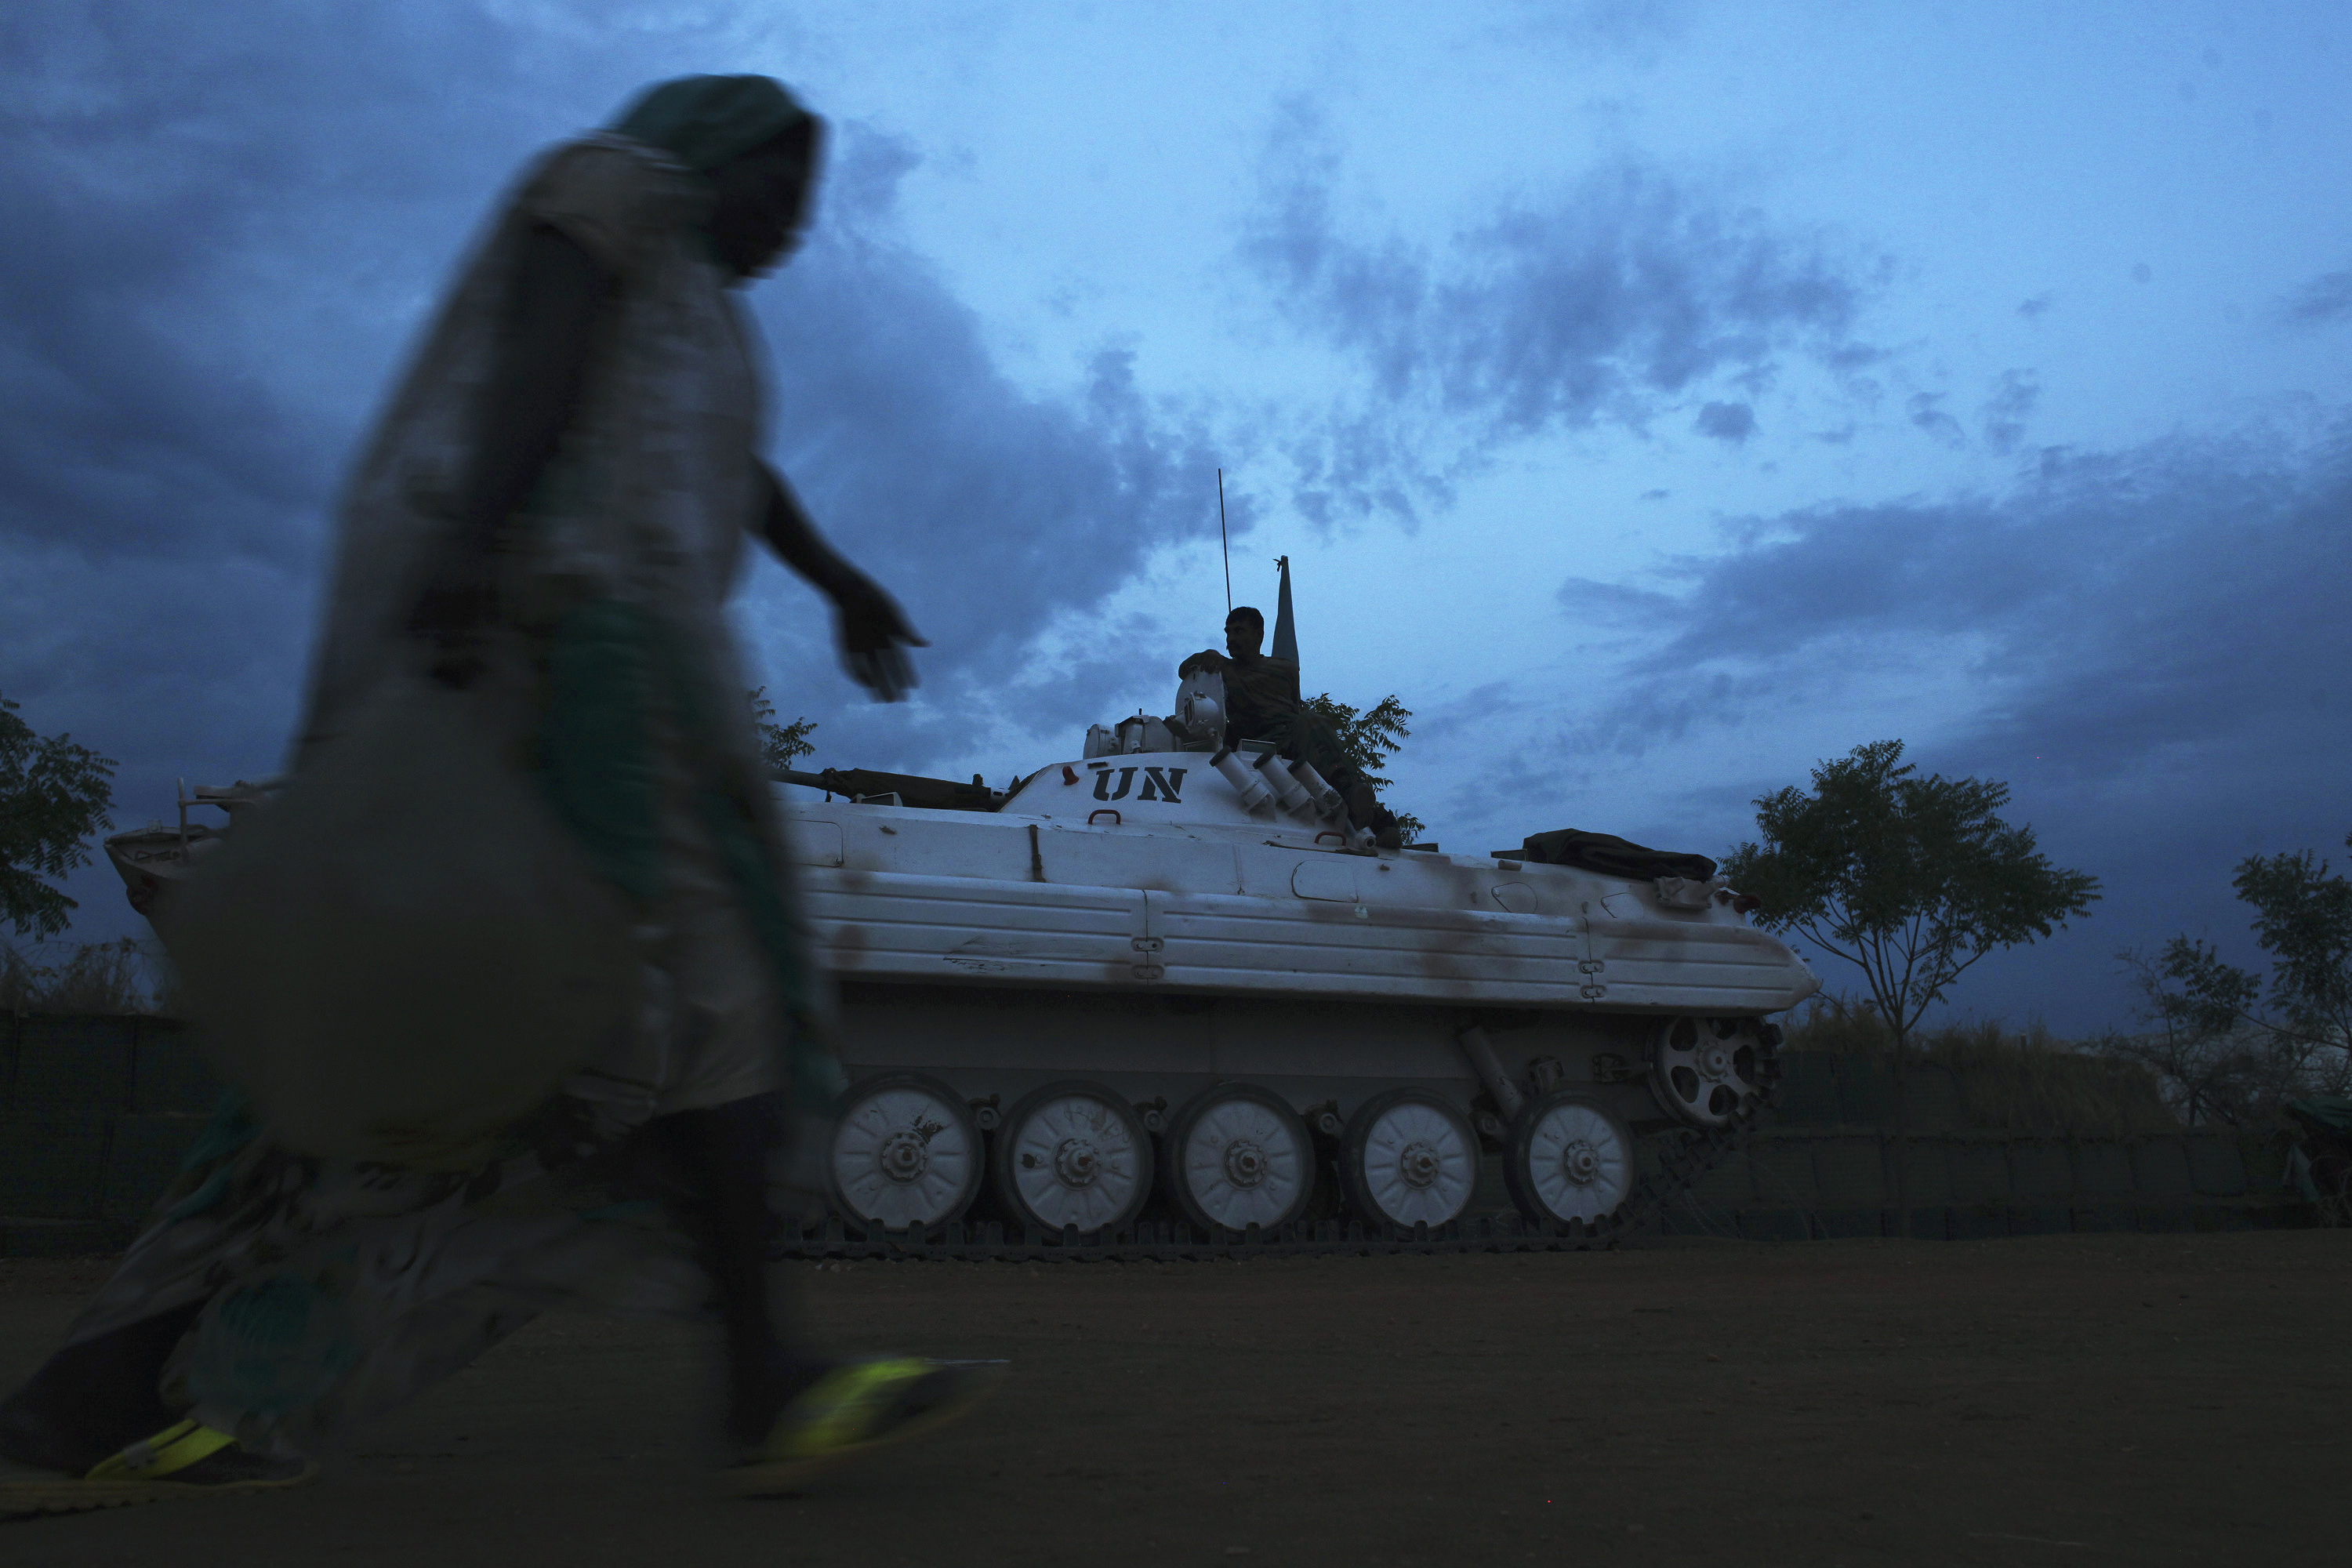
[225, 225]
[2326, 297]
[1585, 598]
[2114, 606]
[1612, 298]
[1733, 421]
[213, 250]
[2010, 406]
[2149, 645]
[1925, 409]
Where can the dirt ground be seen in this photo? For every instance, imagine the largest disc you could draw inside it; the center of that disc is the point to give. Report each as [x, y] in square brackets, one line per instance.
[2157, 1399]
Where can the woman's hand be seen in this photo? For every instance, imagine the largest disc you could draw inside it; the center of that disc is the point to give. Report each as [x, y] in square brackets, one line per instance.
[873, 631]
[875, 637]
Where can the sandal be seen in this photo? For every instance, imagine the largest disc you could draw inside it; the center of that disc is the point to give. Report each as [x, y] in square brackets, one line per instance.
[856, 1408]
[185, 1460]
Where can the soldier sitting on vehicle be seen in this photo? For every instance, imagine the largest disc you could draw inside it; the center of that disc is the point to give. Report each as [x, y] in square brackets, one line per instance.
[1262, 703]
[1260, 691]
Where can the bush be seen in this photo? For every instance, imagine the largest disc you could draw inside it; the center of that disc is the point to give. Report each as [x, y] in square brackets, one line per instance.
[2018, 1082]
[2032, 1083]
[1831, 1022]
[117, 976]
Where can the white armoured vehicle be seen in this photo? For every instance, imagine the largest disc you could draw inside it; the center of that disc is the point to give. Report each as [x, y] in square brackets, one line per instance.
[1165, 974]
[1154, 973]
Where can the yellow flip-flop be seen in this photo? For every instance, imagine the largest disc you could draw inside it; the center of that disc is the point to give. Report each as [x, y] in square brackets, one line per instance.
[187, 1460]
[857, 1408]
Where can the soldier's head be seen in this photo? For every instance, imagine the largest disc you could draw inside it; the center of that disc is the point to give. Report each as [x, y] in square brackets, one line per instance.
[1244, 629]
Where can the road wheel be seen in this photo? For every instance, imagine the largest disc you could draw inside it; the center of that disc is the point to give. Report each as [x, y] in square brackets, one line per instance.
[905, 1153]
[1072, 1153]
[1704, 1070]
[1238, 1155]
[1569, 1160]
[1409, 1157]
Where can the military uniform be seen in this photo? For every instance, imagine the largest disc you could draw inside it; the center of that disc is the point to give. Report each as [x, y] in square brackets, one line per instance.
[1262, 703]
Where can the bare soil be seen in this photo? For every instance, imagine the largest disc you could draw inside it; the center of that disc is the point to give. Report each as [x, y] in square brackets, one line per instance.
[2054, 1399]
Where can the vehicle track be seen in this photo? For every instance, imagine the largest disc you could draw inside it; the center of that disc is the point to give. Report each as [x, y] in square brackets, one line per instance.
[1687, 1155]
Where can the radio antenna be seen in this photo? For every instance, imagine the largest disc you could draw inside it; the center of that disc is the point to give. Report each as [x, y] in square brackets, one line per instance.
[1223, 542]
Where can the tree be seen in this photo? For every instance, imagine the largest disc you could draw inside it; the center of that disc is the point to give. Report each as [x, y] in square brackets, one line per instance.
[2298, 1028]
[1910, 879]
[779, 743]
[1369, 738]
[2210, 1066]
[2303, 919]
[53, 795]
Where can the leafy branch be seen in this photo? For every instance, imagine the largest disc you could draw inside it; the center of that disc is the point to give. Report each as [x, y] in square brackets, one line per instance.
[1369, 738]
[780, 744]
[54, 796]
[2303, 920]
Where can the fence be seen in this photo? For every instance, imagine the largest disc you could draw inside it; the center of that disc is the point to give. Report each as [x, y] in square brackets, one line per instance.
[96, 1114]
[1822, 1165]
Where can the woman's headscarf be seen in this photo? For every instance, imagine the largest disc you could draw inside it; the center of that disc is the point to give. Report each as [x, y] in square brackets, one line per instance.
[704, 121]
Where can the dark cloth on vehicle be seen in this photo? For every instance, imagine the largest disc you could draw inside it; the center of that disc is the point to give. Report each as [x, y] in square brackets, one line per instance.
[1610, 855]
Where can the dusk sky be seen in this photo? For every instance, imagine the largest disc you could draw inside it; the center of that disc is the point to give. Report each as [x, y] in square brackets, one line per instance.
[1657, 398]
